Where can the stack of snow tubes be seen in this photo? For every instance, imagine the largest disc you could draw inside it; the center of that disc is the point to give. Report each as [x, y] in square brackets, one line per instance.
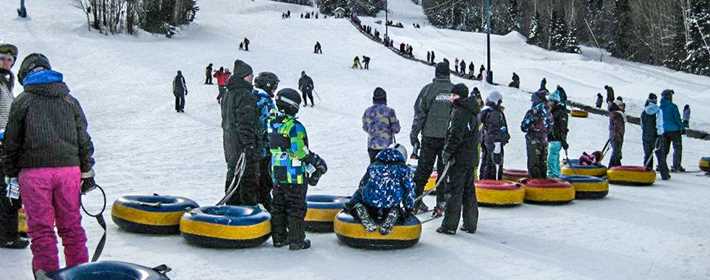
[579, 113]
[405, 233]
[588, 187]
[226, 226]
[631, 175]
[153, 214]
[499, 193]
[109, 270]
[21, 221]
[322, 210]
[514, 174]
[573, 168]
[548, 191]
[705, 164]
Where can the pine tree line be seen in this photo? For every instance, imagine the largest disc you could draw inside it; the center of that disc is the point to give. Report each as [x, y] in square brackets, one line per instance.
[674, 33]
[155, 16]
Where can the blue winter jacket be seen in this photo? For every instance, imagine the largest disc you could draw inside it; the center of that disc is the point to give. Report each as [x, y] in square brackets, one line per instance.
[265, 107]
[387, 183]
[671, 116]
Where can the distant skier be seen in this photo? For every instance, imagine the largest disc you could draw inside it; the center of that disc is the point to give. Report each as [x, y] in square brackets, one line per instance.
[536, 125]
[617, 129]
[222, 76]
[318, 49]
[265, 85]
[516, 81]
[366, 62]
[305, 84]
[356, 63]
[652, 134]
[609, 95]
[380, 123]
[179, 90]
[385, 192]
[686, 116]
[460, 153]
[557, 136]
[208, 75]
[494, 136]
[600, 100]
[672, 130]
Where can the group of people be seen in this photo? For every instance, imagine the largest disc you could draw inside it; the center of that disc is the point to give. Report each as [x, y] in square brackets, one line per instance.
[48, 176]
[364, 65]
[430, 57]
[406, 49]
[308, 15]
[286, 14]
[244, 44]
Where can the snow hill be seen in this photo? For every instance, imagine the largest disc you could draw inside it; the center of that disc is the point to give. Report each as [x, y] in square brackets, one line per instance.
[143, 146]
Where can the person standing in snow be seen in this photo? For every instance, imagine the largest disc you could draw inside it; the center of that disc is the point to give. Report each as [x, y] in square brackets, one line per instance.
[239, 124]
[686, 116]
[385, 192]
[456, 66]
[208, 75]
[536, 125]
[617, 129]
[432, 111]
[516, 81]
[265, 85]
[557, 136]
[600, 100]
[380, 123]
[563, 95]
[433, 57]
[459, 154]
[366, 62]
[179, 91]
[651, 134]
[428, 57]
[318, 49]
[672, 130]
[9, 235]
[609, 95]
[246, 44]
[543, 84]
[305, 84]
[290, 157]
[462, 66]
[356, 63]
[55, 169]
[494, 136]
[471, 69]
[222, 76]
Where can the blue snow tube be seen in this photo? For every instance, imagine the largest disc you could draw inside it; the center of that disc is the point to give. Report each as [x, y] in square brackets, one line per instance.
[226, 226]
[110, 270]
[154, 214]
[322, 210]
[588, 187]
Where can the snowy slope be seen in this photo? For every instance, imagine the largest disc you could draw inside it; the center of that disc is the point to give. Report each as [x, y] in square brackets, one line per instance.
[144, 147]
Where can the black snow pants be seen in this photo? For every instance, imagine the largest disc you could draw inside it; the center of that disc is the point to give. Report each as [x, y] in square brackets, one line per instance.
[431, 150]
[537, 157]
[491, 164]
[179, 102]
[307, 94]
[616, 147]
[265, 183]
[287, 213]
[8, 211]
[460, 191]
[208, 79]
[675, 138]
[649, 147]
[246, 193]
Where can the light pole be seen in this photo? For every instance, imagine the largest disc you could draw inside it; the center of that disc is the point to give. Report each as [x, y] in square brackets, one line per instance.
[489, 12]
[387, 12]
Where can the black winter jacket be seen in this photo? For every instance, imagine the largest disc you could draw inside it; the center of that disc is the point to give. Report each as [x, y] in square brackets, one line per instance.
[239, 112]
[464, 125]
[494, 127]
[560, 128]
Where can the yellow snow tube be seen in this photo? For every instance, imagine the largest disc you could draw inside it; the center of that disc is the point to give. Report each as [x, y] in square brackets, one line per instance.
[226, 226]
[573, 168]
[548, 191]
[579, 113]
[631, 175]
[588, 187]
[499, 193]
[404, 234]
[705, 164]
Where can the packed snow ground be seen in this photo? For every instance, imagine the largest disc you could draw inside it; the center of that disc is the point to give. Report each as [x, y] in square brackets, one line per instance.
[144, 147]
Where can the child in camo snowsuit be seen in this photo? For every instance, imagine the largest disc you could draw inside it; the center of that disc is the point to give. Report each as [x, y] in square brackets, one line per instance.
[381, 124]
[536, 124]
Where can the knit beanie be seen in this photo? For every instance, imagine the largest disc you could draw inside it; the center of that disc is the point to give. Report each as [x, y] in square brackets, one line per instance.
[242, 69]
[442, 69]
[461, 90]
[379, 96]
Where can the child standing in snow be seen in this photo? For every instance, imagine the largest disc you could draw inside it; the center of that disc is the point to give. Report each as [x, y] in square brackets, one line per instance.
[494, 136]
[617, 129]
[557, 136]
[381, 124]
[536, 124]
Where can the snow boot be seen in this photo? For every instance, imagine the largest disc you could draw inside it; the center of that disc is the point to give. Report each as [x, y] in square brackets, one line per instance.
[445, 230]
[389, 222]
[470, 230]
[18, 243]
[365, 218]
[279, 243]
[677, 169]
[305, 244]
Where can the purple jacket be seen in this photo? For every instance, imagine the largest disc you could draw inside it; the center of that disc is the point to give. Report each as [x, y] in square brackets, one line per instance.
[381, 124]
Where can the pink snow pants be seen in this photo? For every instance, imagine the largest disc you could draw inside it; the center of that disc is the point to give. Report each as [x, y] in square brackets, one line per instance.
[51, 197]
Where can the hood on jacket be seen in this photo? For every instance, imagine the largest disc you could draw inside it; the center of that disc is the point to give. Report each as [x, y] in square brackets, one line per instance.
[43, 77]
[390, 156]
[651, 108]
[468, 103]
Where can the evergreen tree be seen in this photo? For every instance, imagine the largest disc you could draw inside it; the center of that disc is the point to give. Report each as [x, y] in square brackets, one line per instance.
[558, 32]
[698, 60]
[678, 52]
[621, 46]
[571, 40]
[535, 34]
[513, 16]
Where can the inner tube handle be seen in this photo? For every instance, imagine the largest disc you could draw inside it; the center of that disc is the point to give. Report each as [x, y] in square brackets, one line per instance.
[162, 269]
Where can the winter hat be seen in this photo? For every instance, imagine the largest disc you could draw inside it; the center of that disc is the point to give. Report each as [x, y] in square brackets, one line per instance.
[30, 63]
[667, 93]
[242, 69]
[9, 49]
[379, 95]
[619, 104]
[494, 97]
[461, 90]
[652, 97]
[400, 148]
[539, 96]
[476, 92]
[442, 69]
[555, 97]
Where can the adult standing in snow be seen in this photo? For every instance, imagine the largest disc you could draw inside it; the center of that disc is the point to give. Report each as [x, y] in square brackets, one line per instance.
[462, 66]
[239, 123]
[460, 154]
[456, 65]
[471, 69]
[318, 49]
[179, 91]
[386, 191]
[672, 130]
[609, 95]
[356, 63]
[55, 169]
[536, 125]
[562, 94]
[516, 81]
[305, 84]
[366, 62]
[494, 136]
[433, 57]
[380, 123]
[208, 75]
[617, 129]
[600, 100]
[686, 116]
[246, 44]
[265, 85]
[428, 57]
[432, 111]
[543, 84]
[651, 133]
[557, 136]
[9, 236]
[222, 76]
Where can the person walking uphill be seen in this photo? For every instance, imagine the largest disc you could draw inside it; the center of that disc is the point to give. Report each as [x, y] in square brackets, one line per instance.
[536, 125]
[265, 85]
[290, 160]
[672, 130]
[617, 129]
[460, 153]
[652, 133]
[49, 152]
[381, 124]
[431, 119]
[557, 136]
[305, 85]
[179, 90]
[494, 136]
[222, 76]
[239, 123]
[9, 236]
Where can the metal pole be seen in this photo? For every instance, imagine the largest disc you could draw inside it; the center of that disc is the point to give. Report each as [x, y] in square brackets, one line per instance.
[387, 12]
[489, 73]
[22, 12]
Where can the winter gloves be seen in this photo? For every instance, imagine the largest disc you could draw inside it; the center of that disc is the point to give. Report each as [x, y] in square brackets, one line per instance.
[320, 168]
[13, 188]
[88, 183]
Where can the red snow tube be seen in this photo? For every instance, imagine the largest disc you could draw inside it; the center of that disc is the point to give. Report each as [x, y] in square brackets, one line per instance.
[548, 191]
[514, 174]
[499, 193]
[631, 175]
